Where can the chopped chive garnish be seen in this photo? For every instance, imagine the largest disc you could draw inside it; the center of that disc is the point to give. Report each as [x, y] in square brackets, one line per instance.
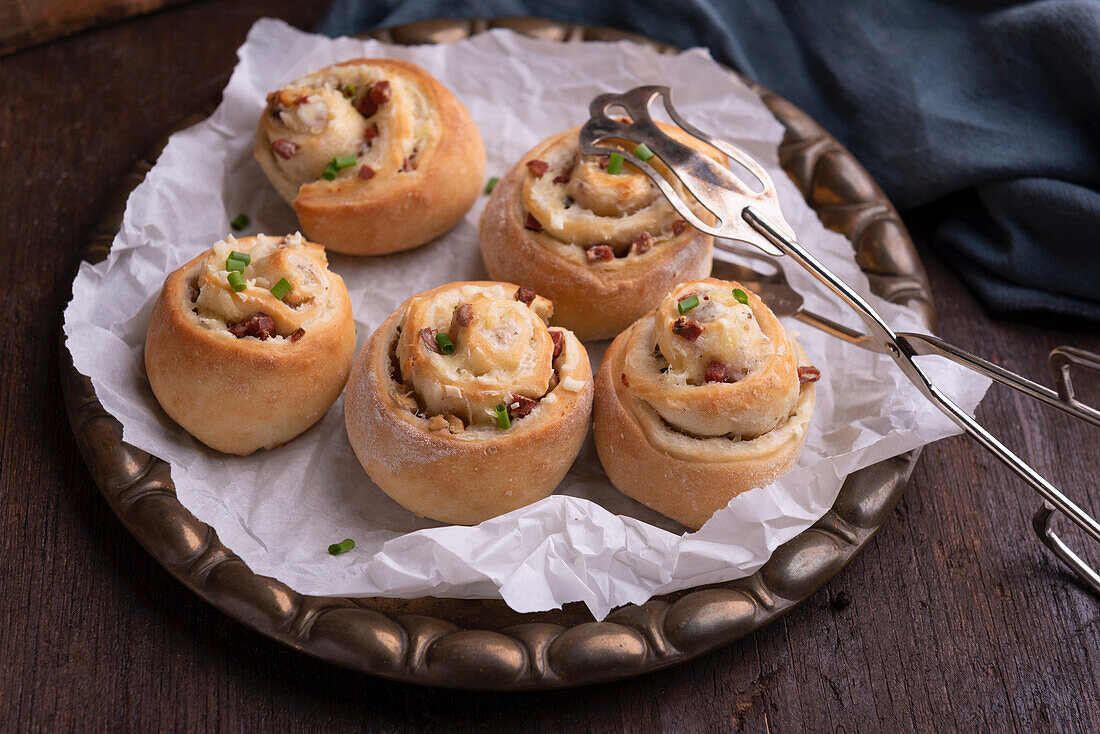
[343, 161]
[687, 304]
[502, 416]
[236, 281]
[349, 91]
[232, 263]
[342, 547]
[242, 256]
[614, 164]
[240, 222]
[445, 344]
[643, 152]
[329, 173]
[492, 184]
[280, 289]
[740, 296]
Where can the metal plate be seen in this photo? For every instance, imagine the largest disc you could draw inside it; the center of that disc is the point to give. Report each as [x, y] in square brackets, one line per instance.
[482, 644]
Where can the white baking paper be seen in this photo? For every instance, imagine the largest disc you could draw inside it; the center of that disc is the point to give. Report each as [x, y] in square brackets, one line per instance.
[279, 510]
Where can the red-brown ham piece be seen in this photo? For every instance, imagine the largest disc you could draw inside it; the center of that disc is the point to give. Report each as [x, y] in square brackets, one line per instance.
[538, 168]
[687, 328]
[259, 325]
[808, 373]
[286, 149]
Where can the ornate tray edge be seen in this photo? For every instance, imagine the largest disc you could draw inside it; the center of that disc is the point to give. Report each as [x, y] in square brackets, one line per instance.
[634, 639]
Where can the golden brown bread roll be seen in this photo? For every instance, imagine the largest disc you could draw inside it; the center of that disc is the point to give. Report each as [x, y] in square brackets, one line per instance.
[700, 400]
[375, 155]
[247, 369]
[463, 405]
[605, 247]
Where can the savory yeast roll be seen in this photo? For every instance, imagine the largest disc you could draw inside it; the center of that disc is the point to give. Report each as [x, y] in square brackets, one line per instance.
[700, 400]
[594, 235]
[375, 155]
[463, 405]
[251, 342]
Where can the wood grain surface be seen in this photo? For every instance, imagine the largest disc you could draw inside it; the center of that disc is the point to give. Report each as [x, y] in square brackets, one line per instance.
[954, 617]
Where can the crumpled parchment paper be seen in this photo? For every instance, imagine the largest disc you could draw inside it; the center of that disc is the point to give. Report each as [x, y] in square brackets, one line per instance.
[279, 510]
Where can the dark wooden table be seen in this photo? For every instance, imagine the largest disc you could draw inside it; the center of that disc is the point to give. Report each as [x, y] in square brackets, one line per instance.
[954, 617]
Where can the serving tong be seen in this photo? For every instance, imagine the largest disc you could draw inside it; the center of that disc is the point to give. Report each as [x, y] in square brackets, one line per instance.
[752, 216]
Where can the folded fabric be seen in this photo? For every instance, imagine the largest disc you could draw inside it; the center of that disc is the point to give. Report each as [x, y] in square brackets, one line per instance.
[992, 108]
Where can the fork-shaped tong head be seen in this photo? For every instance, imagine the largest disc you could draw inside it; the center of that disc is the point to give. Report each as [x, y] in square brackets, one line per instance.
[754, 217]
[710, 183]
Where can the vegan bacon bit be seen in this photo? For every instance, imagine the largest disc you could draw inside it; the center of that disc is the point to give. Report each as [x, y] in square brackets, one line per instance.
[561, 178]
[808, 373]
[559, 342]
[641, 244]
[523, 294]
[298, 334]
[538, 168]
[366, 172]
[624, 380]
[679, 226]
[604, 160]
[370, 133]
[597, 253]
[531, 223]
[259, 325]
[689, 329]
[519, 406]
[286, 149]
[427, 337]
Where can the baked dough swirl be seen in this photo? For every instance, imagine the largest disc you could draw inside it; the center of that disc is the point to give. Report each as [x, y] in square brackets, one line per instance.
[455, 399]
[604, 246]
[701, 399]
[375, 155]
[247, 369]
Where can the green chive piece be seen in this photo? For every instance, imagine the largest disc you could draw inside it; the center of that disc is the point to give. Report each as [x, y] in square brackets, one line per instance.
[342, 547]
[240, 222]
[343, 161]
[349, 91]
[242, 256]
[740, 296]
[236, 281]
[445, 344]
[232, 263]
[687, 304]
[280, 289]
[643, 152]
[503, 420]
[492, 184]
[329, 173]
[614, 164]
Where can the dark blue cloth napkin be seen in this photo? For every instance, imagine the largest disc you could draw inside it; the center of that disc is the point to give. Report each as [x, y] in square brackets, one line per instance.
[988, 111]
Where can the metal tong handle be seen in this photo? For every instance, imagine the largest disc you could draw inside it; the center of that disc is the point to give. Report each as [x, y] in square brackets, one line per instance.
[902, 349]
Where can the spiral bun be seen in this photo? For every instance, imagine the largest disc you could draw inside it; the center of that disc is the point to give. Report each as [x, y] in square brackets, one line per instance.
[605, 247]
[463, 405]
[414, 158]
[244, 370]
[700, 400]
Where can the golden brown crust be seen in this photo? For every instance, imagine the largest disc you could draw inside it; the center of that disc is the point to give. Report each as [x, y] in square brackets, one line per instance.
[393, 213]
[479, 472]
[684, 476]
[240, 395]
[594, 300]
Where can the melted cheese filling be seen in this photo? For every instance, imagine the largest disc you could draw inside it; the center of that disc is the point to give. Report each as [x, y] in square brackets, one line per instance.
[215, 305]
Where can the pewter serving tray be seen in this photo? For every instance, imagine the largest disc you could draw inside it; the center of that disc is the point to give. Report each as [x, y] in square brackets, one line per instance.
[461, 643]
